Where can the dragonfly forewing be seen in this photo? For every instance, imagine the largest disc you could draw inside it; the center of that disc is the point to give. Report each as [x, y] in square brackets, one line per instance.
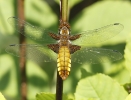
[99, 35]
[95, 55]
[91, 55]
[37, 52]
[31, 31]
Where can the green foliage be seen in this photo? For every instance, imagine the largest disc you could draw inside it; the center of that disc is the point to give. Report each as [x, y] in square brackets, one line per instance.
[45, 96]
[1, 97]
[49, 96]
[127, 87]
[128, 97]
[99, 87]
[128, 53]
[42, 76]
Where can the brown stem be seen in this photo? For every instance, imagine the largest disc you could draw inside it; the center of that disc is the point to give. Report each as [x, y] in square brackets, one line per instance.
[59, 87]
[23, 82]
[63, 17]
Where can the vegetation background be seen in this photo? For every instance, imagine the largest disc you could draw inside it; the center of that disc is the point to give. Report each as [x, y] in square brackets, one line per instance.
[84, 15]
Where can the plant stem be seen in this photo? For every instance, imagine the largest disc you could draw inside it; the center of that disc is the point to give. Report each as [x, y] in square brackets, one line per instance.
[63, 17]
[64, 10]
[23, 81]
[59, 87]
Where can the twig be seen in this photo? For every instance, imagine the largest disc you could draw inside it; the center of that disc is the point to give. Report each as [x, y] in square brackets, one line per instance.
[59, 87]
[64, 10]
[63, 17]
[23, 81]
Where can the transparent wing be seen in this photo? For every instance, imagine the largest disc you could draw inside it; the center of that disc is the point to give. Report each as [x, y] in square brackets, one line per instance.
[31, 31]
[99, 35]
[95, 55]
[36, 52]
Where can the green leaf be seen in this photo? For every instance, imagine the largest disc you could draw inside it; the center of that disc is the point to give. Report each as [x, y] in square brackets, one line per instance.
[2, 97]
[128, 97]
[127, 87]
[45, 96]
[85, 73]
[119, 72]
[99, 87]
[50, 96]
[45, 17]
[104, 13]
[128, 54]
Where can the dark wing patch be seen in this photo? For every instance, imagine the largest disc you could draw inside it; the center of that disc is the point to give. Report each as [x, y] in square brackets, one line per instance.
[54, 47]
[74, 48]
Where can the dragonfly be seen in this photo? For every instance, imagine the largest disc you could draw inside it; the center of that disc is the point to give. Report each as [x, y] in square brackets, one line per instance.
[65, 47]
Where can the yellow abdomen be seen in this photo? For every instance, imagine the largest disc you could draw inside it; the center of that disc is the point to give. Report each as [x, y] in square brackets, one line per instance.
[64, 62]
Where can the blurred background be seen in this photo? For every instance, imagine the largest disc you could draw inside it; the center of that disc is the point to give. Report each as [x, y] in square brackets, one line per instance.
[83, 15]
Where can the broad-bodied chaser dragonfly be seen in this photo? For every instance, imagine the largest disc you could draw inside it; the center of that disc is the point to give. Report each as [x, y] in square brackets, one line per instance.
[68, 47]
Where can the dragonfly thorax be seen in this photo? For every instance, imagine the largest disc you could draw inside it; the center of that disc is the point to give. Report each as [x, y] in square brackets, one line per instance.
[64, 36]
